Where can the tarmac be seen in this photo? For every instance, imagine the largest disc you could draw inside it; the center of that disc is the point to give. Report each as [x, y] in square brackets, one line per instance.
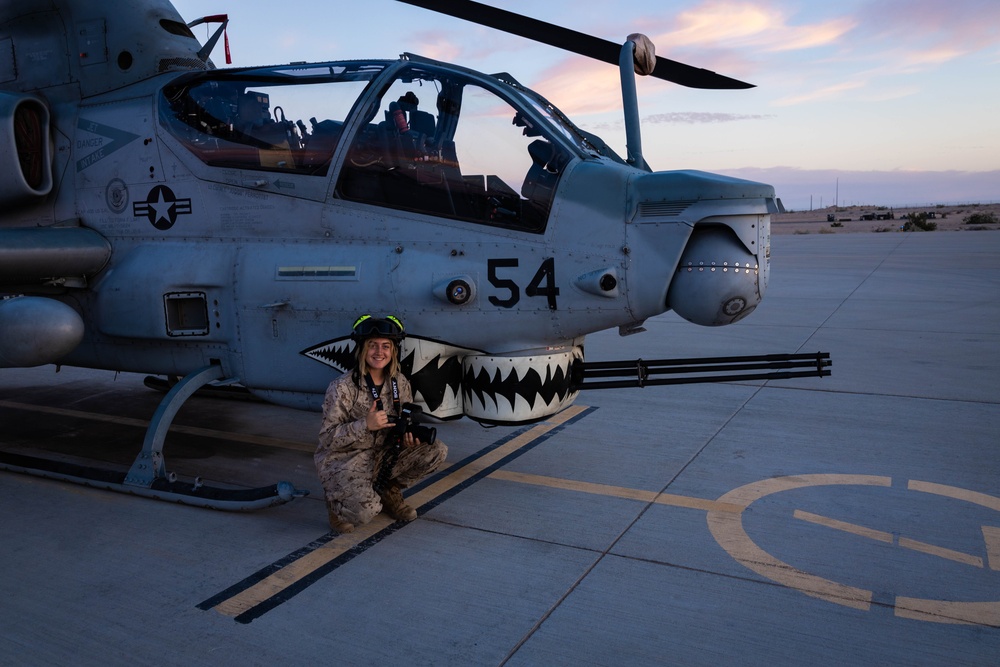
[853, 519]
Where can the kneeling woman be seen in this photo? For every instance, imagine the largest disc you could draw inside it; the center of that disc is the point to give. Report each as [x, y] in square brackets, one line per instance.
[358, 412]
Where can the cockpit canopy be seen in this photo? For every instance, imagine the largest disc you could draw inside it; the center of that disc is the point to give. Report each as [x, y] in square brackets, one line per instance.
[237, 118]
[411, 135]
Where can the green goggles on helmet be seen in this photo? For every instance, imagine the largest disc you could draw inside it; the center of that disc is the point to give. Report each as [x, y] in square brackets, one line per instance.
[367, 326]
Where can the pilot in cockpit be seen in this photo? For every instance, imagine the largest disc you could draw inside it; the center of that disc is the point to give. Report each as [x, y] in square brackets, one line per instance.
[254, 111]
[413, 129]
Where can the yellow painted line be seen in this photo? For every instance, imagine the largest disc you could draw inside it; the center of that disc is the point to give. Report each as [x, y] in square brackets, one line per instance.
[79, 414]
[949, 611]
[941, 552]
[312, 561]
[616, 491]
[992, 537]
[174, 428]
[300, 568]
[870, 533]
[953, 611]
[475, 467]
[990, 502]
[883, 536]
[727, 529]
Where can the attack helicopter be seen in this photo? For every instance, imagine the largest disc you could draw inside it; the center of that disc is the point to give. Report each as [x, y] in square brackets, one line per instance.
[226, 226]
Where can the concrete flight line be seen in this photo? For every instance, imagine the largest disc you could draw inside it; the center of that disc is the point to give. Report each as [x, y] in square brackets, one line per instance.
[174, 428]
[274, 585]
[285, 578]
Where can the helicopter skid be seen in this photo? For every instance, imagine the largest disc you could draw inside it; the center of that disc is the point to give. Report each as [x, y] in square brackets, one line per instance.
[148, 476]
[164, 488]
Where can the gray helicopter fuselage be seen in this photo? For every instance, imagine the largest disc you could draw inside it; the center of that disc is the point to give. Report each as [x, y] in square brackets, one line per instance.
[496, 230]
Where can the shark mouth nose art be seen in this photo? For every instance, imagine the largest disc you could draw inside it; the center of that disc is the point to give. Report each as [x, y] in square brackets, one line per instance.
[452, 382]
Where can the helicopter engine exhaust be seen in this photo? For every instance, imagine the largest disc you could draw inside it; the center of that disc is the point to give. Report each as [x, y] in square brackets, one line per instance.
[717, 280]
[25, 151]
[35, 331]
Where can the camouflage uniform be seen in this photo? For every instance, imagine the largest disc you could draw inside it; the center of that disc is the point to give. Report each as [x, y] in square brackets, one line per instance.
[349, 455]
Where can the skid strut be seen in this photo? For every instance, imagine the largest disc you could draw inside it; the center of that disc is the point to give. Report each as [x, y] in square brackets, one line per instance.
[147, 476]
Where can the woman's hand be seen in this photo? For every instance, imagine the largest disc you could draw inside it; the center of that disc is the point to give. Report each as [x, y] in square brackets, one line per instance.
[376, 419]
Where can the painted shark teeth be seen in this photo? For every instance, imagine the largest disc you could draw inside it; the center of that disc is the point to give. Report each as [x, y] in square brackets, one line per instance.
[449, 381]
[511, 390]
[337, 353]
[435, 372]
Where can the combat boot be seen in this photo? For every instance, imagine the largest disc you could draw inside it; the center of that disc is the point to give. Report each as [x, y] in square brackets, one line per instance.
[336, 523]
[395, 506]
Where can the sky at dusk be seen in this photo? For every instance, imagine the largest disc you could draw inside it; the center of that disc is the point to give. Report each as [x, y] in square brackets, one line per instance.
[889, 102]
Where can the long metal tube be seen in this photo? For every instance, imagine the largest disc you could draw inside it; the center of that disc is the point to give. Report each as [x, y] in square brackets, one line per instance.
[39, 253]
[630, 105]
[700, 370]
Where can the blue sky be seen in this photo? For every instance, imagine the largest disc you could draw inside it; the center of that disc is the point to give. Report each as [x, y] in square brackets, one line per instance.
[887, 102]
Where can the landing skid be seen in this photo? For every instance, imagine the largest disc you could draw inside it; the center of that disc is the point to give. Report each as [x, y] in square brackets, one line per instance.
[196, 494]
[225, 391]
[147, 476]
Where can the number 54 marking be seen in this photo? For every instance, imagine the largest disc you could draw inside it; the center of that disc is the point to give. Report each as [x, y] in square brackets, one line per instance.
[543, 284]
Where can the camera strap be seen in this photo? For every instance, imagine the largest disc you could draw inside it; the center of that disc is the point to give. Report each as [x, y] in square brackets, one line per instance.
[375, 393]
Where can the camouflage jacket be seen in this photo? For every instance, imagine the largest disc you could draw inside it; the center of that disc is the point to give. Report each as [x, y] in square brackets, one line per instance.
[344, 431]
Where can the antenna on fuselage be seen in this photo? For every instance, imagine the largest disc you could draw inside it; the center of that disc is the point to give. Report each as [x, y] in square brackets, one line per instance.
[209, 46]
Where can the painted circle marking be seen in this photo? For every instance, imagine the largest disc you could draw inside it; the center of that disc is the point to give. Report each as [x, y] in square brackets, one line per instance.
[727, 529]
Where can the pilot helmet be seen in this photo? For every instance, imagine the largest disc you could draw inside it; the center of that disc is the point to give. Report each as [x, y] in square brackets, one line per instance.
[366, 327]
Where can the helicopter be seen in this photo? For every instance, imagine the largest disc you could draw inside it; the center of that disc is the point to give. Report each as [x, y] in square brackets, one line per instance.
[224, 227]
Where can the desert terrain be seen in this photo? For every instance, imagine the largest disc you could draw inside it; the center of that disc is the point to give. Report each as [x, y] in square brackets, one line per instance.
[848, 219]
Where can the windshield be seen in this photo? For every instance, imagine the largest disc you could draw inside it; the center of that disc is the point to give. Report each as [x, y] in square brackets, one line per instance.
[285, 119]
[449, 144]
[589, 143]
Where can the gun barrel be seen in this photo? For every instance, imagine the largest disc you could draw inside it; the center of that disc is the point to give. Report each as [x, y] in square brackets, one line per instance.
[700, 370]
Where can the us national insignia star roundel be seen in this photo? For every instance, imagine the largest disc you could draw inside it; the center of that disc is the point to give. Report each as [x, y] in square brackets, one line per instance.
[161, 207]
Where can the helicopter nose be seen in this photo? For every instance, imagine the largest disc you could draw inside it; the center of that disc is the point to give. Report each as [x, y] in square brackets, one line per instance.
[710, 235]
[717, 281]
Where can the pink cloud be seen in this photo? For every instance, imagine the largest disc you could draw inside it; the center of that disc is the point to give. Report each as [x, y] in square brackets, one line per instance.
[718, 21]
[824, 93]
[919, 34]
[970, 23]
[581, 86]
[751, 24]
[439, 46]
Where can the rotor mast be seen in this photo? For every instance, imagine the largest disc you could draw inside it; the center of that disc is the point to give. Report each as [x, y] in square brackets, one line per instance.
[636, 56]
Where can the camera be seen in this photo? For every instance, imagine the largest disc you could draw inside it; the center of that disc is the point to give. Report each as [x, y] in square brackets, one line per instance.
[407, 422]
[410, 414]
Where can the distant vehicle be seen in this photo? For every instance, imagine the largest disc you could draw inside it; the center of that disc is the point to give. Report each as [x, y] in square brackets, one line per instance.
[878, 216]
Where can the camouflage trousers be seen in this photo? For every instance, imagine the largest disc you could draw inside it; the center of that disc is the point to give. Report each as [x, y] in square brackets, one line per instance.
[347, 483]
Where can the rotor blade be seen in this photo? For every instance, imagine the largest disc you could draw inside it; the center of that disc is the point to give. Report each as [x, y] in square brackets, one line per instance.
[576, 42]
